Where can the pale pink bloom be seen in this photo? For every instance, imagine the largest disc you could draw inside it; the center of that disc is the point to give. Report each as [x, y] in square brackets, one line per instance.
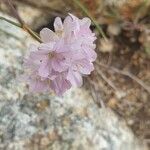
[37, 84]
[63, 57]
[78, 65]
[84, 38]
[60, 84]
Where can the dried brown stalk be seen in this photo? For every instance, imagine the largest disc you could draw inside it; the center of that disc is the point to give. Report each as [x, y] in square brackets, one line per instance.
[126, 73]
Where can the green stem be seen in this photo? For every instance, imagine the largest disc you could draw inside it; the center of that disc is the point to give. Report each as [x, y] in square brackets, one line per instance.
[24, 27]
[84, 9]
[32, 33]
[11, 22]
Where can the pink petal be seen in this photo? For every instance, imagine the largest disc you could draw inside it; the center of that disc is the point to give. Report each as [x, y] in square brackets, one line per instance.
[75, 22]
[38, 86]
[67, 22]
[90, 53]
[46, 48]
[58, 26]
[74, 55]
[76, 45]
[44, 69]
[58, 64]
[85, 67]
[67, 28]
[36, 58]
[60, 85]
[53, 74]
[61, 46]
[75, 78]
[86, 22]
[47, 35]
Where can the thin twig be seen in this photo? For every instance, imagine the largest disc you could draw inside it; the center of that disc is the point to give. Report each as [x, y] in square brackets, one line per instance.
[9, 4]
[85, 10]
[110, 57]
[31, 32]
[22, 24]
[96, 99]
[126, 73]
[109, 82]
[26, 28]
[11, 22]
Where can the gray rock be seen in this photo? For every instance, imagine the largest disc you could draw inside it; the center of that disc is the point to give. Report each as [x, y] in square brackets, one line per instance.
[42, 121]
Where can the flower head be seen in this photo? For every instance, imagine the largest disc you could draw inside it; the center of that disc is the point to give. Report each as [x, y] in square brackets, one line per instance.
[63, 57]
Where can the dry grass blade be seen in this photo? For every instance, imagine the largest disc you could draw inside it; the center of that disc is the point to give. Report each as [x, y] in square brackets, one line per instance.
[126, 73]
[98, 100]
[109, 82]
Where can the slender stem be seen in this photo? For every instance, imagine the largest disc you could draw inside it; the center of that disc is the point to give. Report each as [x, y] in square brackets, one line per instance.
[24, 27]
[21, 24]
[13, 11]
[126, 73]
[32, 33]
[11, 22]
[84, 9]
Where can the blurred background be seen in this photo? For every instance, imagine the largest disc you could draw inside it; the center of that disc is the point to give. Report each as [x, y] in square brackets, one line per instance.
[121, 80]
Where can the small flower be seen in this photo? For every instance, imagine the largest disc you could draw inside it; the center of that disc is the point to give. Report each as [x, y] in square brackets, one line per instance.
[63, 57]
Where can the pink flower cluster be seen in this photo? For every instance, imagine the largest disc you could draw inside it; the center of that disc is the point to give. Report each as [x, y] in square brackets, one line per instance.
[63, 58]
